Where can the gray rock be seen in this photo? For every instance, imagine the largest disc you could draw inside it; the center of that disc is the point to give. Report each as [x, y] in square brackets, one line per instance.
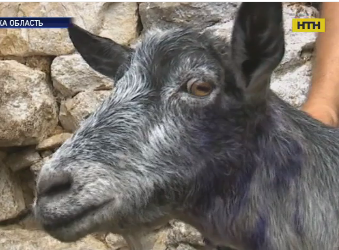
[46, 153]
[71, 75]
[120, 22]
[22, 159]
[42, 63]
[73, 111]
[116, 242]
[166, 15]
[28, 110]
[20, 239]
[295, 40]
[223, 30]
[293, 85]
[35, 168]
[185, 247]
[11, 198]
[53, 141]
[2, 155]
[184, 233]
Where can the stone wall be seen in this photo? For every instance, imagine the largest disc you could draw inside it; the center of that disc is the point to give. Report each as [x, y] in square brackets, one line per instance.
[46, 89]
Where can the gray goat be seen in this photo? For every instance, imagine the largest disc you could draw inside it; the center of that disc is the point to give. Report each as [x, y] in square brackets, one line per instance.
[193, 132]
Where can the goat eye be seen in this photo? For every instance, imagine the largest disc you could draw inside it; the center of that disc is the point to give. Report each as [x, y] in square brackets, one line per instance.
[199, 88]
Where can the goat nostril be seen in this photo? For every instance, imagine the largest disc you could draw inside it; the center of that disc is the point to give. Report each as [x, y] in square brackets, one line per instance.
[61, 182]
[57, 188]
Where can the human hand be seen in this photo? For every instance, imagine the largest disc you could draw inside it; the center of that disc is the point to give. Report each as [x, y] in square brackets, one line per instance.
[322, 112]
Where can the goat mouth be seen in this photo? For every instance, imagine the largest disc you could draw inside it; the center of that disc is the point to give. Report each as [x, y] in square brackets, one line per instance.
[63, 223]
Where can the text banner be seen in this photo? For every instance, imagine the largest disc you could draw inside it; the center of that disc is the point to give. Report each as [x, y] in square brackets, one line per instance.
[35, 22]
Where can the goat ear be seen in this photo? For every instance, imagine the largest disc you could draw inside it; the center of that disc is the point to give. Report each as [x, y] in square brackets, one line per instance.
[258, 46]
[102, 54]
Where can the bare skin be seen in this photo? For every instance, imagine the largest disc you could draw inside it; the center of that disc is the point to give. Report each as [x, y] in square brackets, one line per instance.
[323, 99]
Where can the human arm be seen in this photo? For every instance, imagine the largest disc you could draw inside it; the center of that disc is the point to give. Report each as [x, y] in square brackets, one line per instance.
[323, 98]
